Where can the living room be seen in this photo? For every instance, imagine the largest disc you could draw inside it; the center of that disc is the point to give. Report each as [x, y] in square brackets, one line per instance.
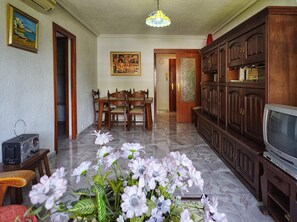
[27, 86]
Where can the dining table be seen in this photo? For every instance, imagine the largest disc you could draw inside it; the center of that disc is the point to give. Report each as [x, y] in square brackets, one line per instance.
[148, 111]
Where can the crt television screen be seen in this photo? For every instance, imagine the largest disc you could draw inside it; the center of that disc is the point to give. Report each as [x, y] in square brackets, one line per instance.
[282, 132]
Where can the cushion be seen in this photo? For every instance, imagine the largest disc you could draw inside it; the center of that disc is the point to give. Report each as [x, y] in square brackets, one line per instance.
[10, 212]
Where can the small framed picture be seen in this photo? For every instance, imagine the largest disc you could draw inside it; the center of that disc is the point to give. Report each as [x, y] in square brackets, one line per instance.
[22, 30]
[125, 63]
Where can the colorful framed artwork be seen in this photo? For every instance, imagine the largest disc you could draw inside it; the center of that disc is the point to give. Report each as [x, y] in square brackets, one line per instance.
[125, 63]
[22, 30]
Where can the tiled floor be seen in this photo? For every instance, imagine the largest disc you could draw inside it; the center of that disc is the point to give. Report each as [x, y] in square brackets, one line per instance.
[234, 199]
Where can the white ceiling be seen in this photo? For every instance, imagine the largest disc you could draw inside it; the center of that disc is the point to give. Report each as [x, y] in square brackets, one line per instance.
[189, 17]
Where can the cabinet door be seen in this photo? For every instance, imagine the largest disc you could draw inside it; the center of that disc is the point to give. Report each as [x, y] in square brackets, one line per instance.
[213, 101]
[254, 102]
[254, 46]
[213, 61]
[245, 163]
[216, 136]
[235, 52]
[222, 104]
[222, 63]
[205, 130]
[205, 63]
[234, 108]
[204, 98]
[228, 148]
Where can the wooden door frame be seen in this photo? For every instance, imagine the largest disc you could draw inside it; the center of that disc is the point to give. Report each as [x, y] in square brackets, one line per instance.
[169, 51]
[72, 38]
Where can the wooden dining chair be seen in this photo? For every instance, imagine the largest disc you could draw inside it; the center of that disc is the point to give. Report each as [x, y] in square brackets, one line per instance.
[146, 92]
[136, 108]
[96, 97]
[117, 106]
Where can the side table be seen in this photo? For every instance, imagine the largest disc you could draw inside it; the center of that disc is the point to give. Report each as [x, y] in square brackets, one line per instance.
[38, 161]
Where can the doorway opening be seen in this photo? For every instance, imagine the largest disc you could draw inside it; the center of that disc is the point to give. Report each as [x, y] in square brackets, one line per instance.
[165, 85]
[177, 83]
[62, 86]
[64, 61]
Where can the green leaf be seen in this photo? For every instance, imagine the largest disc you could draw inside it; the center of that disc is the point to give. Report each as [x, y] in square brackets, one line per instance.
[101, 207]
[82, 192]
[97, 188]
[116, 185]
[137, 219]
[83, 207]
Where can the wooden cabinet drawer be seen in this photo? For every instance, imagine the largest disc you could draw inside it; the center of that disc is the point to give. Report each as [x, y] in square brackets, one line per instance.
[216, 139]
[228, 148]
[278, 182]
[205, 129]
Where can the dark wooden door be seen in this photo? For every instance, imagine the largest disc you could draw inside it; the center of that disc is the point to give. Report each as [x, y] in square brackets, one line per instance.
[172, 85]
[222, 104]
[222, 63]
[228, 146]
[204, 98]
[213, 100]
[188, 79]
[235, 52]
[254, 46]
[205, 63]
[234, 108]
[246, 164]
[213, 60]
[254, 102]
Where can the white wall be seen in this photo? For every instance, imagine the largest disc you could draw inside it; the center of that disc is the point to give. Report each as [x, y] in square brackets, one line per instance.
[162, 76]
[26, 78]
[145, 45]
[258, 6]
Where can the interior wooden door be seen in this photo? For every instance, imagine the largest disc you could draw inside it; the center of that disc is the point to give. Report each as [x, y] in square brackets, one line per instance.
[188, 87]
[172, 85]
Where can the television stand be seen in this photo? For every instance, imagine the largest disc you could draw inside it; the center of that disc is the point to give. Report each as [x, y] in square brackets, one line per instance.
[279, 192]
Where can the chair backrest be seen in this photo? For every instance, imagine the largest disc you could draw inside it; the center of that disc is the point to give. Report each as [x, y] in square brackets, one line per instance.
[124, 91]
[95, 94]
[117, 98]
[117, 95]
[143, 91]
[137, 98]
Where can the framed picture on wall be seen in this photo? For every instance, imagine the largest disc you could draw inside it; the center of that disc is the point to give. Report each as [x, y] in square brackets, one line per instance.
[22, 29]
[125, 63]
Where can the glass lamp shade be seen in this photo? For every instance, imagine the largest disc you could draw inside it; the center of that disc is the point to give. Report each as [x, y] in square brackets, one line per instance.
[158, 19]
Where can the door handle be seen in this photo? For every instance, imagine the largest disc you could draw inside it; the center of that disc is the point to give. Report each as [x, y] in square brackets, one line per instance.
[178, 87]
[172, 86]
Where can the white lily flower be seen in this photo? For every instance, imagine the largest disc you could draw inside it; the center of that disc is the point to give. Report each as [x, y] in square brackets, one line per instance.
[81, 170]
[48, 191]
[131, 150]
[111, 159]
[181, 159]
[156, 173]
[134, 202]
[195, 178]
[138, 168]
[162, 205]
[155, 216]
[185, 216]
[102, 138]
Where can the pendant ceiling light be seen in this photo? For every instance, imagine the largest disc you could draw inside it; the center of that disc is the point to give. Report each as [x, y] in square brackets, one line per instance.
[158, 18]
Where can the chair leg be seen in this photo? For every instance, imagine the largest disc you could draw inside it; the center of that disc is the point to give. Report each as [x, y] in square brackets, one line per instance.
[143, 122]
[125, 121]
[109, 121]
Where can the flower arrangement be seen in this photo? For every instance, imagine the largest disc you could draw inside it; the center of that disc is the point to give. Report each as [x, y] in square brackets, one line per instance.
[143, 192]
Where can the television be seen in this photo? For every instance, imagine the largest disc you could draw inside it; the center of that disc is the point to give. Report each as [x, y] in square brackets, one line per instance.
[280, 136]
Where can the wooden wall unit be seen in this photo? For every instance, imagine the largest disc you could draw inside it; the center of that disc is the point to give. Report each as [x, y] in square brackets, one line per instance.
[251, 65]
